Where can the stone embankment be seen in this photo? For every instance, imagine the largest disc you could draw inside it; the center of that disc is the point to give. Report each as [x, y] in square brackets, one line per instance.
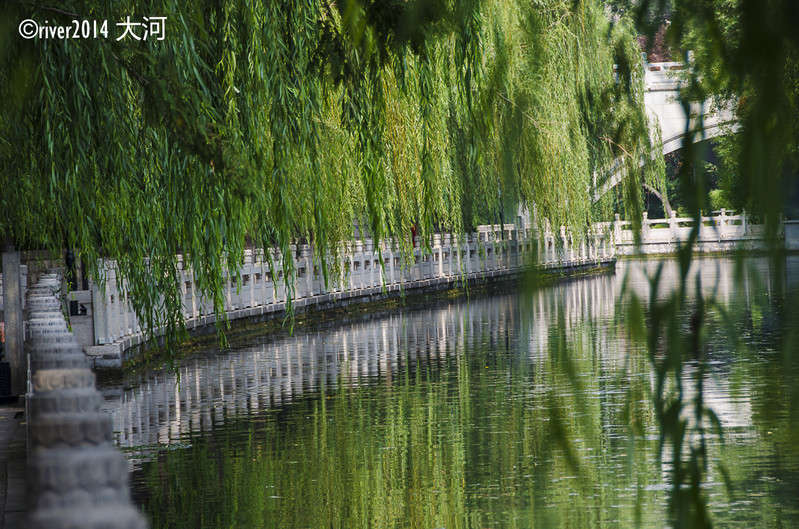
[77, 479]
[112, 332]
[108, 330]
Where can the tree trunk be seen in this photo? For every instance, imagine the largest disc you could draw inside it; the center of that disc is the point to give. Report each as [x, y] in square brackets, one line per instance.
[664, 199]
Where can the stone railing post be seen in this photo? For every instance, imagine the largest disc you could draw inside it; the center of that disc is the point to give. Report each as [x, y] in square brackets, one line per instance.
[474, 247]
[437, 249]
[193, 288]
[251, 267]
[745, 223]
[515, 256]
[389, 260]
[673, 225]
[374, 266]
[307, 262]
[359, 271]
[76, 478]
[450, 251]
[14, 327]
[351, 274]
[457, 248]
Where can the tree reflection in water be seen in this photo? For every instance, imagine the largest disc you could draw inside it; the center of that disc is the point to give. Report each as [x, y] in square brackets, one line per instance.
[509, 410]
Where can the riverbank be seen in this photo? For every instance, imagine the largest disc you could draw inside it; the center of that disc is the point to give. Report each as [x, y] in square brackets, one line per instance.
[375, 301]
[105, 324]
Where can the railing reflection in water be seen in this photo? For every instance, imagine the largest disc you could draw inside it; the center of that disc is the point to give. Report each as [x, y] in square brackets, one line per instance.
[160, 407]
[156, 409]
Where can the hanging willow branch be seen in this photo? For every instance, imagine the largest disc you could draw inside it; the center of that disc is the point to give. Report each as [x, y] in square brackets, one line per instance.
[181, 153]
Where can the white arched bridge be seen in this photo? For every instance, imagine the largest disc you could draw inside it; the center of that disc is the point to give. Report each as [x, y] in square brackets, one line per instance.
[706, 120]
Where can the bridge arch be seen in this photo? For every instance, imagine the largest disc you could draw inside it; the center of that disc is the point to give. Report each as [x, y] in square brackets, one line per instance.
[661, 98]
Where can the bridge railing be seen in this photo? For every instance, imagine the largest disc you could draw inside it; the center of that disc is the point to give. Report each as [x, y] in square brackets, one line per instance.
[718, 232]
[670, 121]
[662, 75]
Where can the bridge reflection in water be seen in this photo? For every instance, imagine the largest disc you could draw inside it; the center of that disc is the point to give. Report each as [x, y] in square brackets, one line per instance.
[155, 409]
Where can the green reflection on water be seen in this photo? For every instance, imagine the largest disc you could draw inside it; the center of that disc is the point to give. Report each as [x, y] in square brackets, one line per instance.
[463, 444]
[492, 433]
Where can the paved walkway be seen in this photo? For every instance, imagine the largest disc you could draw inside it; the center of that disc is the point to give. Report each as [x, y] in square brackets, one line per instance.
[13, 466]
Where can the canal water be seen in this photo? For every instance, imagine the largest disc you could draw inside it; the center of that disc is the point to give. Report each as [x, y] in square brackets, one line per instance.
[522, 408]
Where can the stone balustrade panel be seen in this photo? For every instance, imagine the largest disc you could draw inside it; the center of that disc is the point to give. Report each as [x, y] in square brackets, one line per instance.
[259, 289]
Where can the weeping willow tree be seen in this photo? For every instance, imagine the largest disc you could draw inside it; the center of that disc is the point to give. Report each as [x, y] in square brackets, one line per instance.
[746, 53]
[267, 123]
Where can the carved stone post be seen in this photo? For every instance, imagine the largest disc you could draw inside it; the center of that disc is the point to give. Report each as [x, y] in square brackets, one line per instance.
[12, 305]
[722, 224]
[76, 478]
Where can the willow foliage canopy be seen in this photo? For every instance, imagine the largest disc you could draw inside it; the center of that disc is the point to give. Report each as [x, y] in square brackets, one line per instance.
[268, 122]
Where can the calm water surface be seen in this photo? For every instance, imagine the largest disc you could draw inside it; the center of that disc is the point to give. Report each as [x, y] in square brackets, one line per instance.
[518, 409]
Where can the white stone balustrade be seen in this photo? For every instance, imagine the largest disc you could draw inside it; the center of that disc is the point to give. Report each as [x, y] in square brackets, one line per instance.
[111, 326]
[720, 232]
[492, 251]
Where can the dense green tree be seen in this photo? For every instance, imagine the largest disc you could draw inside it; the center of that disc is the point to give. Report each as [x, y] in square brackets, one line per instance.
[745, 53]
[267, 122]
